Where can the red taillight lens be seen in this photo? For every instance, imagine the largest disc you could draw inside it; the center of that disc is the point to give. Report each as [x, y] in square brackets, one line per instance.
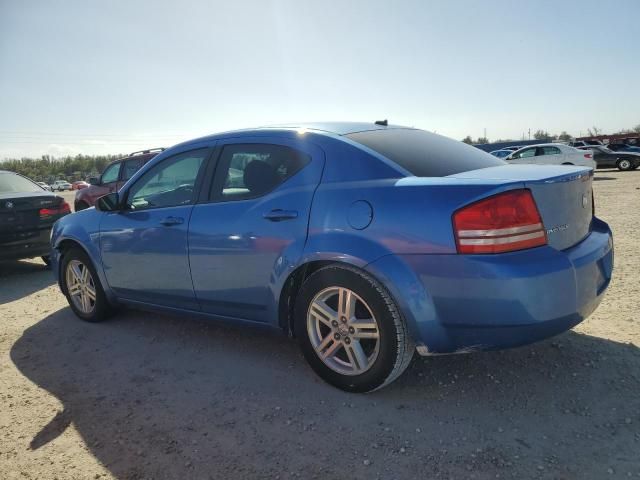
[503, 223]
[588, 155]
[61, 209]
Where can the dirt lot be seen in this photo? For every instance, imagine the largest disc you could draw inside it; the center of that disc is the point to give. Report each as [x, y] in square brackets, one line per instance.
[147, 396]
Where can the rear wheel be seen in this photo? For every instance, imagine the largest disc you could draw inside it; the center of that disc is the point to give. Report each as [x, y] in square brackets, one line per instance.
[82, 287]
[624, 165]
[350, 330]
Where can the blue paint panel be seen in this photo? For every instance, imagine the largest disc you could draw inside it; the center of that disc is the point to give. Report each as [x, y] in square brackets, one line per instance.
[227, 260]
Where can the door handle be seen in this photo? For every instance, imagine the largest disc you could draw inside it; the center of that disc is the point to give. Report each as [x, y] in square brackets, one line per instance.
[169, 221]
[278, 215]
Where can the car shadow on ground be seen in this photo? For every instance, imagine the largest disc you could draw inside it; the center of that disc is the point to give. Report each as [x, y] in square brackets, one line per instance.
[20, 278]
[164, 397]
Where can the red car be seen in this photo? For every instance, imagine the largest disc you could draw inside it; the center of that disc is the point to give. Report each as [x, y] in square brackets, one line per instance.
[113, 177]
[79, 185]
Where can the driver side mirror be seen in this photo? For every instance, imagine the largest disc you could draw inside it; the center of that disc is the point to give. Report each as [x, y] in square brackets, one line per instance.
[109, 203]
[94, 180]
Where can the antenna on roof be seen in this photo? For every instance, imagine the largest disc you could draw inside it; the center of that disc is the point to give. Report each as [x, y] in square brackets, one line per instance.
[384, 123]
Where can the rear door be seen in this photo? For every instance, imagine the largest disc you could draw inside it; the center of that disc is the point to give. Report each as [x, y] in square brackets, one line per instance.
[253, 226]
[549, 155]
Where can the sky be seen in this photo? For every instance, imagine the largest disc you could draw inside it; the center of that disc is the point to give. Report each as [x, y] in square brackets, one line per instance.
[93, 77]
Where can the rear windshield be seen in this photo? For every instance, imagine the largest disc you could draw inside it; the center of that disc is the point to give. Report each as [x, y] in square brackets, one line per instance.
[425, 154]
[12, 183]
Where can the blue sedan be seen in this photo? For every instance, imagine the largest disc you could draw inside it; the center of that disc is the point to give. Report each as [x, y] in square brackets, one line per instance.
[366, 242]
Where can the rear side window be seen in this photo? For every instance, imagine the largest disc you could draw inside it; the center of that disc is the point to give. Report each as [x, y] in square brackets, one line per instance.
[549, 151]
[425, 154]
[252, 170]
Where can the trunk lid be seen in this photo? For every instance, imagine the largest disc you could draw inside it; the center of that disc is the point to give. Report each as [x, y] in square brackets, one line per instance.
[22, 213]
[563, 195]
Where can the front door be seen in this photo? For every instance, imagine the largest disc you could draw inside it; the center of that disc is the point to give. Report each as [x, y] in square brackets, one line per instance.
[525, 155]
[144, 246]
[254, 225]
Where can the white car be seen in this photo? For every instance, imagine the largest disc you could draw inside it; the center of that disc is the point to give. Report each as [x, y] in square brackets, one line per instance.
[60, 185]
[552, 154]
[44, 185]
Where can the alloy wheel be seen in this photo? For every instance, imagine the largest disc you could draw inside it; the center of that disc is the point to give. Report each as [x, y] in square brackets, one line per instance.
[81, 286]
[343, 331]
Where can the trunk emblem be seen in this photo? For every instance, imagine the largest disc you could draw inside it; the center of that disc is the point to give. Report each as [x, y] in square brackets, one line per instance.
[557, 229]
[9, 204]
[585, 201]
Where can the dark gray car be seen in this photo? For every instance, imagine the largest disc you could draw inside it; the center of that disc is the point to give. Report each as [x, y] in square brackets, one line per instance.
[606, 158]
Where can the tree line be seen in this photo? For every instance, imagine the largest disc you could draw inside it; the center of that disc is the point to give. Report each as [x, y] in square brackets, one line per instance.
[49, 169]
[545, 136]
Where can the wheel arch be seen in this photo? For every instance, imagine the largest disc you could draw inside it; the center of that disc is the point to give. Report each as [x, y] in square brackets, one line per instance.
[67, 242]
[297, 277]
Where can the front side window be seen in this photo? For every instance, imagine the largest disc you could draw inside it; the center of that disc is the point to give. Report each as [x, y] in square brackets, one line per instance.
[111, 173]
[169, 183]
[529, 152]
[252, 170]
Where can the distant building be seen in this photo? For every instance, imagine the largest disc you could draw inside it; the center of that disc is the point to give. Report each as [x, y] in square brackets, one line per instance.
[628, 138]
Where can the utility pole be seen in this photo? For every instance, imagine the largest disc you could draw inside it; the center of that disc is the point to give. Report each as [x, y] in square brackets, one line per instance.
[485, 133]
[529, 134]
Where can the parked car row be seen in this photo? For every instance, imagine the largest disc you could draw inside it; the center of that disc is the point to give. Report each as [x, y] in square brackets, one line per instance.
[593, 156]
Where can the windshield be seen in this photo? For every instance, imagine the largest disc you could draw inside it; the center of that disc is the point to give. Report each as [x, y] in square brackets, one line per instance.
[12, 183]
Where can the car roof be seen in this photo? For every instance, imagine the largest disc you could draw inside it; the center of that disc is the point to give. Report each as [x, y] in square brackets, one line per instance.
[327, 128]
[546, 145]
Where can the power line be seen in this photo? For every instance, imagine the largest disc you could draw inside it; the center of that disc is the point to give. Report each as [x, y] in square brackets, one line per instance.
[84, 134]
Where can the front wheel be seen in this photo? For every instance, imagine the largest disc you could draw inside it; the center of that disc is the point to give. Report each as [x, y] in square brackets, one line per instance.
[81, 286]
[624, 165]
[350, 330]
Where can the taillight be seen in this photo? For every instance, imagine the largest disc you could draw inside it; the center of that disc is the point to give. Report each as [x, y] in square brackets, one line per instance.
[503, 223]
[588, 155]
[61, 209]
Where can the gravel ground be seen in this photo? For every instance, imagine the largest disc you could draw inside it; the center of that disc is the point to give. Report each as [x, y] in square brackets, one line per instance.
[148, 396]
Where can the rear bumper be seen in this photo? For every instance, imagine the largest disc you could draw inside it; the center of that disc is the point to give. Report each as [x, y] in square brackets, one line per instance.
[26, 245]
[460, 303]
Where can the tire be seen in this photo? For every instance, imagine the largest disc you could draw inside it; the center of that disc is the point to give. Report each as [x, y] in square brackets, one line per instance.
[81, 206]
[624, 165]
[98, 309]
[567, 163]
[356, 360]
